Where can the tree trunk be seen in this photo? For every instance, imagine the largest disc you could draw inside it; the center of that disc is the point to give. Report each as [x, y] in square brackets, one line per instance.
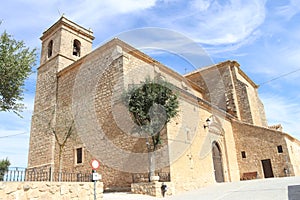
[151, 159]
[151, 164]
[60, 163]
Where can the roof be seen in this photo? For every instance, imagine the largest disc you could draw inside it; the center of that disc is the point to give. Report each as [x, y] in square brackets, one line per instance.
[138, 54]
[63, 21]
[223, 64]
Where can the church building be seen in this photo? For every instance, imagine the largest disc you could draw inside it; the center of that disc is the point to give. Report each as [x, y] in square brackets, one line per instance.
[219, 135]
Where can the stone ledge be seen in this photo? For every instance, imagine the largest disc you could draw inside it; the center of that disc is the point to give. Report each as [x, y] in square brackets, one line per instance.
[152, 188]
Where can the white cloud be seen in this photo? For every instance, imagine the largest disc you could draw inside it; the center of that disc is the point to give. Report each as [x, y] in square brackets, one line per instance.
[215, 23]
[127, 6]
[276, 61]
[230, 49]
[289, 10]
[39, 15]
[207, 21]
[283, 110]
[200, 5]
[98, 12]
[167, 41]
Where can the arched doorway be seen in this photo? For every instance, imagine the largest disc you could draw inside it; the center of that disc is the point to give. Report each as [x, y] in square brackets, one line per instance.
[217, 160]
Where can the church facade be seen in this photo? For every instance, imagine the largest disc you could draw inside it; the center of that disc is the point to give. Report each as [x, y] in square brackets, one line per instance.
[220, 134]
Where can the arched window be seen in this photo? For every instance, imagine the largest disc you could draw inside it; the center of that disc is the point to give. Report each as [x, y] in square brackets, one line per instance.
[50, 48]
[76, 48]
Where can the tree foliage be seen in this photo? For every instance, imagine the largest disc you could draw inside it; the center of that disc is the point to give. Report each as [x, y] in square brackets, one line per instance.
[4, 164]
[16, 61]
[152, 105]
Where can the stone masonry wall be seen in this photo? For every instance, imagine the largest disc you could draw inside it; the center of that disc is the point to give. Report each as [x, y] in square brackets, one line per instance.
[259, 144]
[152, 189]
[41, 138]
[226, 86]
[50, 190]
[250, 106]
[99, 62]
[294, 152]
[216, 84]
[194, 168]
[261, 111]
[107, 65]
[243, 101]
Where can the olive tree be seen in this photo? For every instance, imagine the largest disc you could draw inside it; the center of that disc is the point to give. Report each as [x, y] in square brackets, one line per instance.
[16, 61]
[152, 105]
[4, 164]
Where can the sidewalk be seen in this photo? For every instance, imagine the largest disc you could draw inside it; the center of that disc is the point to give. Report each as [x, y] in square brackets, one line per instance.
[127, 196]
[262, 189]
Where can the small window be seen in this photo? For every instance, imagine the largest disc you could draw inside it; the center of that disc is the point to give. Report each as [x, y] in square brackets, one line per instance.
[76, 48]
[50, 48]
[78, 155]
[243, 154]
[279, 149]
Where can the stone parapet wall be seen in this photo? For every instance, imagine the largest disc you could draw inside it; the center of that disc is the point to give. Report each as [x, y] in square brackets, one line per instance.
[152, 188]
[49, 190]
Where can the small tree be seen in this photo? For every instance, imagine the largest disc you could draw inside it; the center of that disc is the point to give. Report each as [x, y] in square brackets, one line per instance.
[62, 143]
[62, 131]
[16, 61]
[152, 106]
[4, 164]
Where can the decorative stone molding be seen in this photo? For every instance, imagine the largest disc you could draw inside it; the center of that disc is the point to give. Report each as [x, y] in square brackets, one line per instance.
[276, 127]
[216, 126]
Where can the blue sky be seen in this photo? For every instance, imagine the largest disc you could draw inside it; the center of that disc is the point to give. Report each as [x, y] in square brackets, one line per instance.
[263, 36]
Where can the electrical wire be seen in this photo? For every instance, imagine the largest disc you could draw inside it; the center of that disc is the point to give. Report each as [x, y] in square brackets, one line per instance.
[9, 152]
[280, 76]
[6, 136]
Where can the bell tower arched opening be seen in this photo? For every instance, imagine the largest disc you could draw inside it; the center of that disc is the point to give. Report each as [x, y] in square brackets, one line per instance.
[50, 48]
[76, 48]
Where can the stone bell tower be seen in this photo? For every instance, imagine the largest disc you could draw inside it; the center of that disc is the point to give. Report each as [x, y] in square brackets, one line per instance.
[66, 42]
[62, 44]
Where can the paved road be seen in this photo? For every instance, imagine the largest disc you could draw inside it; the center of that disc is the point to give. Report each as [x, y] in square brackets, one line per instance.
[263, 189]
[127, 196]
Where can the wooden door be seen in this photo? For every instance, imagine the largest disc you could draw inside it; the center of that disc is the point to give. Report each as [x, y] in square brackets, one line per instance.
[267, 168]
[217, 161]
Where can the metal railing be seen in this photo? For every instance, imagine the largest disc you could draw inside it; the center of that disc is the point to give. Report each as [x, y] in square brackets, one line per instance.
[14, 174]
[23, 174]
[71, 177]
